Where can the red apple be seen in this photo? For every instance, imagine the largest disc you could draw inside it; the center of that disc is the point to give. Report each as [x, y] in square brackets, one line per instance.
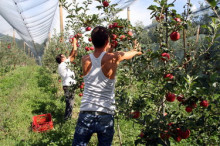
[136, 114]
[178, 20]
[169, 76]
[114, 36]
[88, 28]
[71, 38]
[92, 48]
[160, 17]
[170, 97]
[164, 135]
[141, 134]
[115, 24]
[170, 124]
[165, 56]
[110, 26]
[193, 105]
[122, 37]
[130, 33]
[87, 48]
[165, 114]
[120, 26]
[184, 134]
[174, 36]
[9, 46]
[114, 43]
[178, 139]
[80, 94]
[81, 87]
[188, 109]
[59, 80]
[83, 83]
[79, 35]
[180, 98]
[90, 39]
[204, 103]
[105, 4]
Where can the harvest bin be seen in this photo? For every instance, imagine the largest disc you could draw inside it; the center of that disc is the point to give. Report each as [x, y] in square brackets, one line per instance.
[42, 123]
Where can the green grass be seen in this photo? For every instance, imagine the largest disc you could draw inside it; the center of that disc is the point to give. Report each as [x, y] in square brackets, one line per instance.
[31, 90]
[22, 97]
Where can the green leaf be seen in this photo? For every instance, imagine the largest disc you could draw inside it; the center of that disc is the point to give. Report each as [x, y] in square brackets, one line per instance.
[212, 3]
[209, 28]
[98, 7]
[70, 16]
[204, 26]
[171, 5]
[78, 9]
[213, 20]
[217, 35]
[185, 26]
[163, 2]
[208, 39]
[152, 7]
[173, 11]
[214, 77]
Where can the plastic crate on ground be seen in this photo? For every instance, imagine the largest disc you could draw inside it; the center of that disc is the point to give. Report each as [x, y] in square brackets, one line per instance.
[42, 123]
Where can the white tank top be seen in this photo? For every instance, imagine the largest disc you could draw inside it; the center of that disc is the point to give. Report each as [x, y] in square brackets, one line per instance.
[98, 92]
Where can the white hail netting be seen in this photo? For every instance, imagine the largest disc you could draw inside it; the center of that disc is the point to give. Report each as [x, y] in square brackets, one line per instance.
[123, 4]
[31, 19]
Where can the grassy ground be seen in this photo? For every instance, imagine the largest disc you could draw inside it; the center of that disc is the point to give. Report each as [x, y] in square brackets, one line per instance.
[29, 91]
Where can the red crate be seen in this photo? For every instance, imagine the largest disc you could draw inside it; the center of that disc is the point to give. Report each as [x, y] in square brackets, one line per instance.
[42, 122]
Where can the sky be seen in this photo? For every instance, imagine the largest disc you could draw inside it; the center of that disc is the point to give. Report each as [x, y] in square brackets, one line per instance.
[138, 11]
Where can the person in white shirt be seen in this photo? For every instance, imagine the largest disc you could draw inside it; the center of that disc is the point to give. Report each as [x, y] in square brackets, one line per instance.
[68, 78]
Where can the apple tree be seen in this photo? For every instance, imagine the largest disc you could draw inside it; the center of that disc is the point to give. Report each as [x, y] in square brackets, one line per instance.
[168, 90]
[184, 99]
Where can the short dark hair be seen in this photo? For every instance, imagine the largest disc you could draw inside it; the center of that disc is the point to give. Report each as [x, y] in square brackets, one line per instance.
[58, 58]
[99, 35]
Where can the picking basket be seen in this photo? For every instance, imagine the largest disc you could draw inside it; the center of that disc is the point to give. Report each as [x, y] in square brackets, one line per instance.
[42, 123]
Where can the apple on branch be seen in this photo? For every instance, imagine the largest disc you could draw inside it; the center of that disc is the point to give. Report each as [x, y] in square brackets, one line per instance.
[88, 28]
[160, 17]
[105, 4]
[165, 56]
[170, 97]
[174, 36]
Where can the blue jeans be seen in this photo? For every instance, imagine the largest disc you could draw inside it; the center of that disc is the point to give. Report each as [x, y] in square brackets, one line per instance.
[88, 124]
